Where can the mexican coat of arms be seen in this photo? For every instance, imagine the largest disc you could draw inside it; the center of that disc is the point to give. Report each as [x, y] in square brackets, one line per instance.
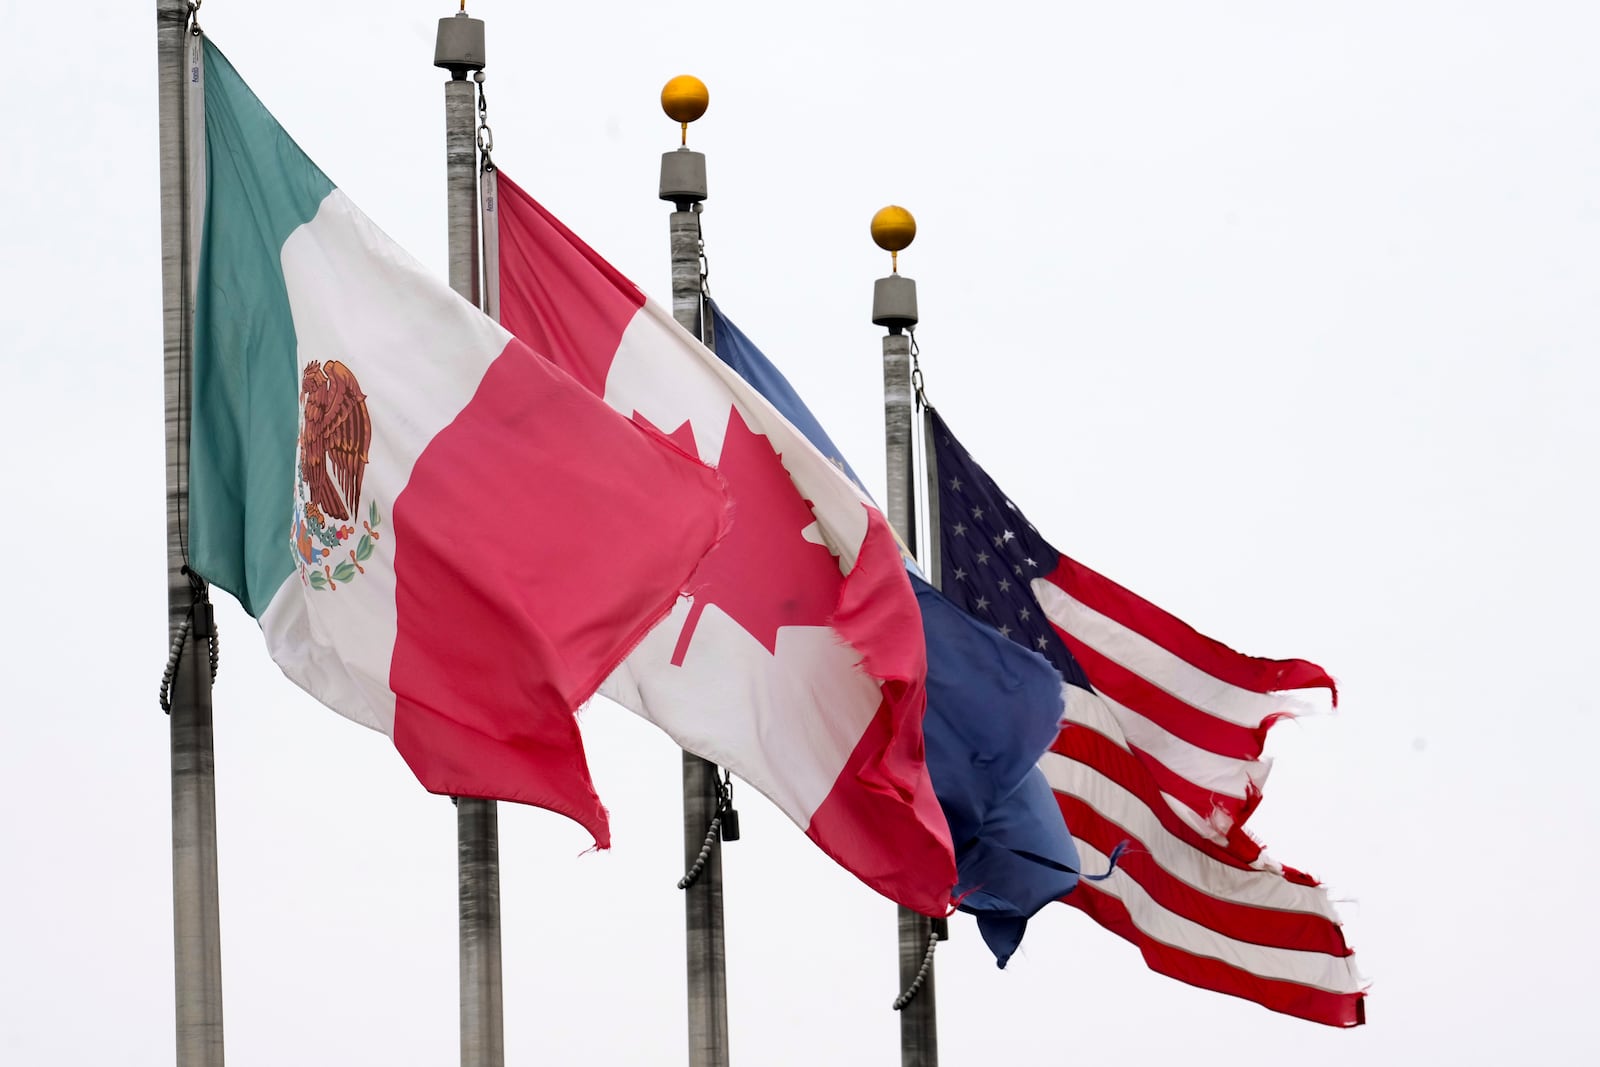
[335, 435]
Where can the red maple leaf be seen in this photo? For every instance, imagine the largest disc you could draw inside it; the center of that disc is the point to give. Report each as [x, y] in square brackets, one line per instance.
[683, 436]
[763, 574]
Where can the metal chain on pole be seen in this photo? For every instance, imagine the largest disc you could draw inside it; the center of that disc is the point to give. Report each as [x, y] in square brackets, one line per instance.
[724, 824]
[202, 601]
[485, 134]
[917, 394]
[705, 261]
[915, 987]
[919, 452]
[707, 330]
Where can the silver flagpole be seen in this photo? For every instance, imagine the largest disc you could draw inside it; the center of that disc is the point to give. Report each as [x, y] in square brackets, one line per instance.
[683, 181]
[931, 560]
[459, 48]
[894, 305]
[186, 686]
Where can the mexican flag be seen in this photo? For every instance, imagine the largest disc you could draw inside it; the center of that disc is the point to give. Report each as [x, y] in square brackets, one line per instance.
[442, 536]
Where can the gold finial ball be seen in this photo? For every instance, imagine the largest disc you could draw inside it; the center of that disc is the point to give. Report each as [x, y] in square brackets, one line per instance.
[685, 98]
[893, 228]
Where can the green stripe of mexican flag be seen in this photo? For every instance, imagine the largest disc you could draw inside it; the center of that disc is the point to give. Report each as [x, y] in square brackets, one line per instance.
[442, 536]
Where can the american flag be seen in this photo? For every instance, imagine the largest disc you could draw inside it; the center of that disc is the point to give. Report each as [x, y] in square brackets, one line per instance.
[1161, 746]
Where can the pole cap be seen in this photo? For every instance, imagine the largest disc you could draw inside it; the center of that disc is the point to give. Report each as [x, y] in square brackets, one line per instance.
[893, 230]
[684, 99]
[894, 302]
[459, 46]
[683, 177]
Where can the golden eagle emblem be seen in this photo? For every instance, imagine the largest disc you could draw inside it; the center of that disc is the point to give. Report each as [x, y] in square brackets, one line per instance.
[335, 435]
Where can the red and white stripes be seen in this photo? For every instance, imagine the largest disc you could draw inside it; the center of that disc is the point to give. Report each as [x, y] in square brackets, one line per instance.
[1166, 753]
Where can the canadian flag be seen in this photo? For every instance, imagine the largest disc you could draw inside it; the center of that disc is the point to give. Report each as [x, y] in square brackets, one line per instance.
[796, 660]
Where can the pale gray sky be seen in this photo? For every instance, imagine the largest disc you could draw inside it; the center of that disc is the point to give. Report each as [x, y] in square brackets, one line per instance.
[1281, 314]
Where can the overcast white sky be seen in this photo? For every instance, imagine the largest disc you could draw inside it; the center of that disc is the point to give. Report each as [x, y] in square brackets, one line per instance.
[1281, 314]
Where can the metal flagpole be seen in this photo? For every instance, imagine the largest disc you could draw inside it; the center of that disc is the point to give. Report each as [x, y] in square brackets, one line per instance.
[894, 305]
[459, 48]
[683, 181]
[931, 561]
[186, 685]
